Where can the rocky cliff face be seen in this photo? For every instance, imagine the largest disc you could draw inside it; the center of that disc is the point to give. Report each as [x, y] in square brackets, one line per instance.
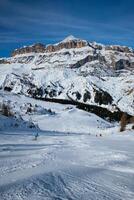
[66, 45]
[124, 64]
[119, 48]
[36, 48]
[116, 57]
[40, 48]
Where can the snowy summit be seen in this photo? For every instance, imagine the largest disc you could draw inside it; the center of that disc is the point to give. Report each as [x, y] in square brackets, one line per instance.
[69, 38]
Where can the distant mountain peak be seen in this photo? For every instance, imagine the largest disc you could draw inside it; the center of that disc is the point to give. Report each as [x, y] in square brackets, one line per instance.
[69, 38]
[71, 42]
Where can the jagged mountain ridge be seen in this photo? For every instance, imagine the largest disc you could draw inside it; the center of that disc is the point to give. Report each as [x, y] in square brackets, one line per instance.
[114, 56]
[74, 69]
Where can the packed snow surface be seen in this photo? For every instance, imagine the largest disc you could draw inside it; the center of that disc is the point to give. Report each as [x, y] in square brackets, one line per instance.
[69, 159]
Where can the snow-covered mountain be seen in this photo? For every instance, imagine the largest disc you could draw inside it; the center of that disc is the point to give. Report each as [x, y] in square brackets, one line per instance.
[75, 70]
[59, 150]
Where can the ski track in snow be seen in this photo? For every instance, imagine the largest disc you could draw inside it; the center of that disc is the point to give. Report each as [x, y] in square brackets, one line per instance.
[68, 166]
[67, 161]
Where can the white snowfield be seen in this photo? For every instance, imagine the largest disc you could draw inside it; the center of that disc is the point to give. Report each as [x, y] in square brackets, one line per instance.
[69, 159]
[52, 151]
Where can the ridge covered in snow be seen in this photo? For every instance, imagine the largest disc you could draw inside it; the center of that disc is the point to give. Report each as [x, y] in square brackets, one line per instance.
[93, 74]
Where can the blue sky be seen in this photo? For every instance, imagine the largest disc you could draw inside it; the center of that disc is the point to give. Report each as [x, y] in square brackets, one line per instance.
[24, 22]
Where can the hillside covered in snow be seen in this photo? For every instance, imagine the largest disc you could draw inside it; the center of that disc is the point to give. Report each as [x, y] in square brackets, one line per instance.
[74, 70]
[60, 107]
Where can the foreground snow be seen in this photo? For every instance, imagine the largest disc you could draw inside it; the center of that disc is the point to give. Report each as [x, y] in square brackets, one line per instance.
[66, 166]
[69, 160]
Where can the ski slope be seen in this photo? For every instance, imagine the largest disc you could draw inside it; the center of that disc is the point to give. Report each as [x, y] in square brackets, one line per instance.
[69, 160]
[66, 166]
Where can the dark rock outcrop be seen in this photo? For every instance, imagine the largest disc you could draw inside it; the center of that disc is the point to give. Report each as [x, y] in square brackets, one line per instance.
[122, 64]
[89, 58]
[119, 48]
[4, 61]
[36, 48]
